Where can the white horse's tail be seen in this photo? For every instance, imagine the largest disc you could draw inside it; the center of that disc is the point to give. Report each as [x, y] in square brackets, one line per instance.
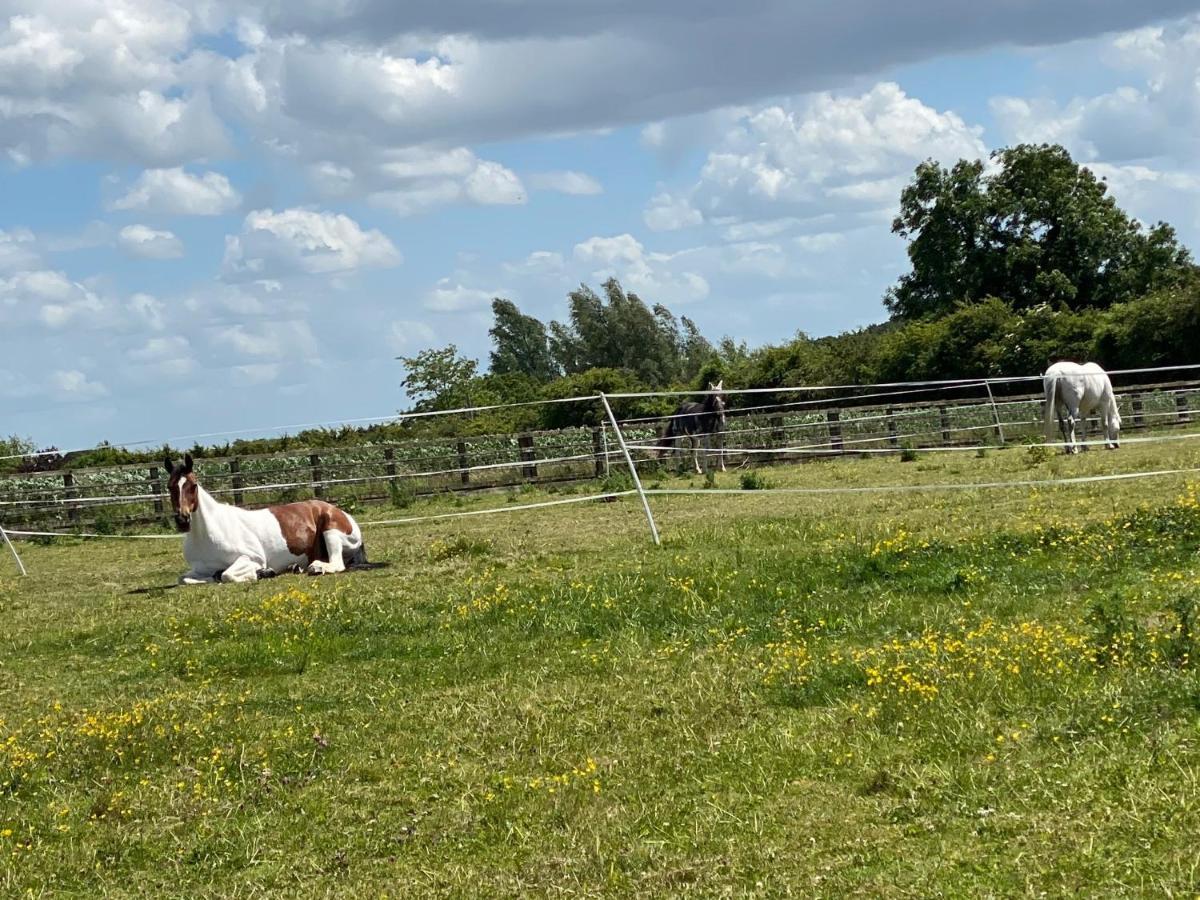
[1051, 389]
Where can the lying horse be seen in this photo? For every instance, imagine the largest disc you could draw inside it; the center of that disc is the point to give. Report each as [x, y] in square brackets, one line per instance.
[697, 421]
[1074, 392]
[226, 543]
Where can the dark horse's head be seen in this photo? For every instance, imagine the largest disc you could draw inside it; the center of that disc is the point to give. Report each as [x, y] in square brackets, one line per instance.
[185, 492]
[715, 402]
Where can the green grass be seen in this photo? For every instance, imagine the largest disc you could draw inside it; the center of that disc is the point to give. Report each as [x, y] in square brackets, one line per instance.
[967, 693]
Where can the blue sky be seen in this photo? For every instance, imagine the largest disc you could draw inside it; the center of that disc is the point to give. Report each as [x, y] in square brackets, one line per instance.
[228, 216]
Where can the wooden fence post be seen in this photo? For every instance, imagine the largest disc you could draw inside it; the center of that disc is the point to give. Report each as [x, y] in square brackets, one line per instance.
[464, 464]
[156, 489]
[314, 460]
[525, 443]
[893, 437]
[944, 421]
[776, 423]
[598, 451]
[1182, 415]
[235, 473]
[389, 463]
[1139, 409]
[69, 493]
[835, 430]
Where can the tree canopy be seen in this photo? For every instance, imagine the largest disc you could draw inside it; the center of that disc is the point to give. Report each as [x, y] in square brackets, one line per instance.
[438, 379]
[1039, 228]
[616, 331]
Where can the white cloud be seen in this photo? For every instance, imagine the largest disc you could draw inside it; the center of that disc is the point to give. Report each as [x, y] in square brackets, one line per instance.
[149, 243]
[73, 385]
[104, 80]
[148, 310]
[417, 179]
[449, 296]
[670, 213]
[256, 373]
[50, 296]
[754, 258]
[816, 155]
[17, 250]
[301, 241]
[546, 263]
[167, 356]
[1142, 137]
[406, 335]
[268, 343]
[1153, 118]
[430, 73]
[653, 276]
[177, 192]
[568, 182]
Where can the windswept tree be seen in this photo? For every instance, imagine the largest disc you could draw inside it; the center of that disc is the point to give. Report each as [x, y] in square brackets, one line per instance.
[521, 345]
[1039, 229]
[619, 331]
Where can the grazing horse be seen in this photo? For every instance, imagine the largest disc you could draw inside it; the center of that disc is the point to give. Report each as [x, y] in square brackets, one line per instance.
[696, 422]
[1074, 392]
[225, 543]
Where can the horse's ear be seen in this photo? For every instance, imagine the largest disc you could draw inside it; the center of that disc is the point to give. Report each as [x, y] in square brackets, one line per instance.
[168, 464]
[187, 464]
[720, 385]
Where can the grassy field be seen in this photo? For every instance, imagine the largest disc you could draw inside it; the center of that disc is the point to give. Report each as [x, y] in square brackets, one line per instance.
[959, 693]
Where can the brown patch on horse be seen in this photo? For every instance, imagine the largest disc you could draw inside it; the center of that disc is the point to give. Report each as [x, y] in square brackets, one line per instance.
[305, 522]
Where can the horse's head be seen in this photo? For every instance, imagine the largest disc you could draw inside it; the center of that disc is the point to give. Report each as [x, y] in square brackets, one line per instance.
[717, 400]
[185, 492]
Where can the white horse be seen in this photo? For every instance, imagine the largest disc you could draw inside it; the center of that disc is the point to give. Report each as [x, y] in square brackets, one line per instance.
[1074, 392]
[225, 543]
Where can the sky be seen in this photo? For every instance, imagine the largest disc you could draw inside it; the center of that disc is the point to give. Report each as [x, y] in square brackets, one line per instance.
[225, 217]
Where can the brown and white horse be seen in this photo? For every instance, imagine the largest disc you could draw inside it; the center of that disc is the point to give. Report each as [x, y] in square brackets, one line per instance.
[226, 543]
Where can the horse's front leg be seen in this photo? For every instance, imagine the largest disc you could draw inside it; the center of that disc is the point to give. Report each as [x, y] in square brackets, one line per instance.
[721, 449]
[243, 569]
[696, 456]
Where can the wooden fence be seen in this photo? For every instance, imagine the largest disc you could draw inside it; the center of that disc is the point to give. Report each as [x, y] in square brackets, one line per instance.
[121, 497]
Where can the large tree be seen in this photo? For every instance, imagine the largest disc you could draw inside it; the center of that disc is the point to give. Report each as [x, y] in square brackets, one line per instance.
[439, 379]
[1037, 229]
[521, 343]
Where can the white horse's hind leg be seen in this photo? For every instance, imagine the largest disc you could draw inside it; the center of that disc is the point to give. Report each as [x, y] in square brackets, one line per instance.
[334, 542]
[243, 569]
[1072, 421]
[194, 577]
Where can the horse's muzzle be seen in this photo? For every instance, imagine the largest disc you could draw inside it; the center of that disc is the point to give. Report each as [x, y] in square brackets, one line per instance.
[183, 523]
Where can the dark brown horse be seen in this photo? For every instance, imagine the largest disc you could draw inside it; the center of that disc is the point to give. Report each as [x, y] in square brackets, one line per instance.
[697, 422]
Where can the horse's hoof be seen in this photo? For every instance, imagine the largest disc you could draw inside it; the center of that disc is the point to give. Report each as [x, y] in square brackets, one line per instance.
[265, 572]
